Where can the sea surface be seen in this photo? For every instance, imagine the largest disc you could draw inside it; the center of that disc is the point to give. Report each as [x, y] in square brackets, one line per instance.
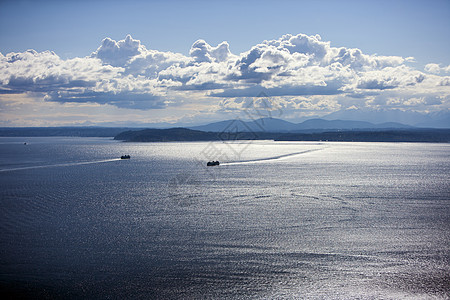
[276, 220]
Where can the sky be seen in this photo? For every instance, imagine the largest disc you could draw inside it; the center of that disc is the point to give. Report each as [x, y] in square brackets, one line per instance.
[135, 63]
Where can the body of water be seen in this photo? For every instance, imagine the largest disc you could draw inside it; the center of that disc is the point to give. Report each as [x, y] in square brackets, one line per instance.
[276, 220]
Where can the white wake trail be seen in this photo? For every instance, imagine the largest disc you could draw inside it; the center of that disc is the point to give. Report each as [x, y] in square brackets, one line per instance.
[259, 160]
[61, 165]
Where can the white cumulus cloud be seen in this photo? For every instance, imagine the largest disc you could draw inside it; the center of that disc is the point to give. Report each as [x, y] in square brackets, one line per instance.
[436, 68]
[302, 71]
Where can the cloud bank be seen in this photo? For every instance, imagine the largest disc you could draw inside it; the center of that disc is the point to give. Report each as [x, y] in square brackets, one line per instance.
[303, 74]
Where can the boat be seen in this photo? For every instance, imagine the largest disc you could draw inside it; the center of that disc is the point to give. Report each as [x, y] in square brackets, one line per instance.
[213, 163]
[125, 157]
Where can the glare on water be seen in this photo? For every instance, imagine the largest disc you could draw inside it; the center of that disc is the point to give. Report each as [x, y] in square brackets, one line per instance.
[273, 220]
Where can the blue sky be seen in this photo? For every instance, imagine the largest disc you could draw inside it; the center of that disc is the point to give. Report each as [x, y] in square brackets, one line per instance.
[414, 34]
[74, 28]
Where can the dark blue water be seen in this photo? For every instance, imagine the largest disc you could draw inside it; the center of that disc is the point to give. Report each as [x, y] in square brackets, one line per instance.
[277, 220]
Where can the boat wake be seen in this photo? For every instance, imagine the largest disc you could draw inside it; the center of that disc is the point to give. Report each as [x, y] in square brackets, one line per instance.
[259, 160]
[60, 165]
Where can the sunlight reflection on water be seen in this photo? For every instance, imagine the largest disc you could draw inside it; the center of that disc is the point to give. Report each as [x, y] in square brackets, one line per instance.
[336, 220]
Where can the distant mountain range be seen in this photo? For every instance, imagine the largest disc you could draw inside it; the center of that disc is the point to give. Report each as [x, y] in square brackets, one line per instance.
[436, 124]
[439, 119]
[262, 129]
[312, 125]
[280, 130]
[381, 135]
